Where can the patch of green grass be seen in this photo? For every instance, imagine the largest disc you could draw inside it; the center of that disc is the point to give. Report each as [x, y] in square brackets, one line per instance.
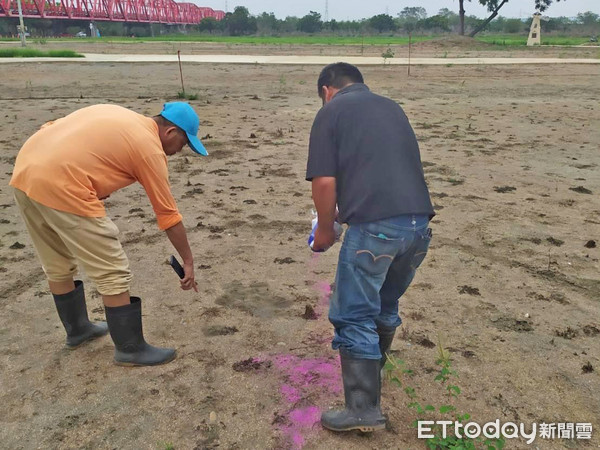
[185, 96]
[20, 52]
[292, 40]
[256, 40]
[397, 374]
[513, 40]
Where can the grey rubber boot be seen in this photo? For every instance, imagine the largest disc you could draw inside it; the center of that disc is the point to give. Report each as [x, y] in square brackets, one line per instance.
[73, 314]
[362, 392]
[125, 324]
[386, 337]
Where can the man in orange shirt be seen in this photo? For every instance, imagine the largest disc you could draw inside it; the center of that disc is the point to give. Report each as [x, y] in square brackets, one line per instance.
[62, 174]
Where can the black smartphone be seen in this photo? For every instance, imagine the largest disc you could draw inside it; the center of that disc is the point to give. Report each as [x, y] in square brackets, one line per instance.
[176, 266]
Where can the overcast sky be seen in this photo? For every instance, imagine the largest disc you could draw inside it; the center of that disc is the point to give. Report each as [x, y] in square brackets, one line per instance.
[358, 9]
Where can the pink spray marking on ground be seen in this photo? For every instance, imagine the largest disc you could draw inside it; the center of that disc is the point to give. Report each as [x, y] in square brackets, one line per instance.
[324, 288]
[302, 421]
[305, 380]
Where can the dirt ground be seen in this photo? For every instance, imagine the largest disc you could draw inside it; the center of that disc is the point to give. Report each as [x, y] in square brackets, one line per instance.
[511, 283]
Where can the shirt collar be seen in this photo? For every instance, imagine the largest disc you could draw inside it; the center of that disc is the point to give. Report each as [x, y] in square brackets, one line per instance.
[355, 87]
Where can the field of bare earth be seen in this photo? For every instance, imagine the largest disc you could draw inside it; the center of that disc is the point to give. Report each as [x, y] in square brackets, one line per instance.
[511, 284]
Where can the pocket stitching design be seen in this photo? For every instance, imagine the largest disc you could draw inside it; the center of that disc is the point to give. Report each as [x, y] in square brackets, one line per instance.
[375, 258]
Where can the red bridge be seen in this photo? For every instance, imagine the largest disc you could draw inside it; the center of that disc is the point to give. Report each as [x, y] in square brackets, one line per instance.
[146, 11]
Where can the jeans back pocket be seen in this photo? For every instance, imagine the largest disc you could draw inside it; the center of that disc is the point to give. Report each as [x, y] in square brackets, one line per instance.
[379, 246]
[422, 241]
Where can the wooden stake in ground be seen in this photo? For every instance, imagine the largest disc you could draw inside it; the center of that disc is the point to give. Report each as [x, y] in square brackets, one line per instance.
[409, 48]
[181, 73]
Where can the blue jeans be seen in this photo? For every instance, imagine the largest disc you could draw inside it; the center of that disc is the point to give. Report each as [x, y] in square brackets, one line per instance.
[377, 263]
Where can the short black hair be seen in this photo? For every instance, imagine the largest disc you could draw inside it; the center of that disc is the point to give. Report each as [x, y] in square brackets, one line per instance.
[164, 122]
[338, 75]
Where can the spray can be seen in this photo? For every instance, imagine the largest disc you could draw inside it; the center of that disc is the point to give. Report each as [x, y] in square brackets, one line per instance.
[337, 228]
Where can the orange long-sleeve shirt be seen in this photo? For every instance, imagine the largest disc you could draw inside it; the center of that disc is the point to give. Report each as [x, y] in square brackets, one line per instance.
[73, 162]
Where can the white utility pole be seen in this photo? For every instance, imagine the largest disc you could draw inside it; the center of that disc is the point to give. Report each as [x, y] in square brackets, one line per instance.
[326, 10]
[21, 24]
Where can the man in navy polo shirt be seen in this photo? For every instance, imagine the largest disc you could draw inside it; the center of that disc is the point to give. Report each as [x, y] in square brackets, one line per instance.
[364, 159]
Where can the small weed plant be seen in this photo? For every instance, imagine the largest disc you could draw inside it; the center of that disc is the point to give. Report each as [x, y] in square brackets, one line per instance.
[185, 96]
[387, 55]
[396, 372]
[282, 83]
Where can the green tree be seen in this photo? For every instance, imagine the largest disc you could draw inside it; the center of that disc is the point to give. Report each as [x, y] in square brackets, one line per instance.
[208, 24]
[111, 28]
[409, 16]
[290, 24]
[513, 26]
[267, 23]
[413, 12]
[434, 23]
[382, 22]
[494, 7]
[562, 24]
[311, 23]
[332, 25]
[453, 18]
[350, 26]
[588, 18]
[542, 5]
[240, 22]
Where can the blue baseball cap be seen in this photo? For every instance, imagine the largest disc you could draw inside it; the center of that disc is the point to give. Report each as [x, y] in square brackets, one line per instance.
[184, 116]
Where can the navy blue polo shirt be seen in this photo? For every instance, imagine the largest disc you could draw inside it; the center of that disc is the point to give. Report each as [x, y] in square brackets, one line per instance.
[366, 142]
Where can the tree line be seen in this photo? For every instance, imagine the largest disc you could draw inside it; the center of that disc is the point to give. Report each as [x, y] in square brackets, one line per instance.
[409, 20]
[241, 23]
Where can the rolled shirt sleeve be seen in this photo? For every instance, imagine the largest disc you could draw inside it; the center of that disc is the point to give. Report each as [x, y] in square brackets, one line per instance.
[153, 175]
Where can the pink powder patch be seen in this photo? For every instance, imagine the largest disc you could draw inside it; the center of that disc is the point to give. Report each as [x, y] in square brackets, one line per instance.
[324, 288]
[315, 374]
[290, 393]
[306, 379]
[302, 421]
[306, 417]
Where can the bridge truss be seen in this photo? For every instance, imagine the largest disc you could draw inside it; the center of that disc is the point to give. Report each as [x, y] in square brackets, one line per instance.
[143, 11]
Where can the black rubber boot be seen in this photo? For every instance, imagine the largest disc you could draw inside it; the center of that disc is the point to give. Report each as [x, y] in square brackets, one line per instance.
[125, 324]
[72, 311]
[386, 337]
[362, 391]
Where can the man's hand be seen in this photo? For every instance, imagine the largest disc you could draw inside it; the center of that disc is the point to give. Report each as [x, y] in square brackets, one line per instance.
[178, 238]
[324, 238]
[188, 282]
[324, 196]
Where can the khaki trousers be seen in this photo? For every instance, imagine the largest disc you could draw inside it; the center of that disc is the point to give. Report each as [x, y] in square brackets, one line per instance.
[62, 240]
